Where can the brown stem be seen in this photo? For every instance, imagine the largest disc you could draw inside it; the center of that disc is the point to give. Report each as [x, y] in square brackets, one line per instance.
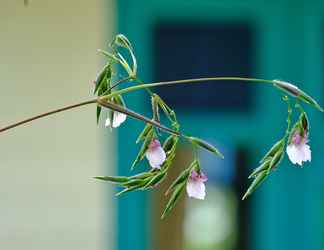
[135, 115]
[47, 114]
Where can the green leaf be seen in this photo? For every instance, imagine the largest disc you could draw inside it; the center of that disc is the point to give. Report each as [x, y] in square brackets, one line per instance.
[206, 145]
[276, 160]
[174, 198]
[155, 108]
[122, 41]
[99, 79]
[135, 182]
[306, 98]
[296, 92]
[98, 113]
[274, 149]
[143, 175]
[169, 142]
[144, 133]
[264, 166]
[110, 56]
[141, 153]
[103, 80]
[256, 182]
[155, 180]
[127, 190]
[182, 178]
[115, 179]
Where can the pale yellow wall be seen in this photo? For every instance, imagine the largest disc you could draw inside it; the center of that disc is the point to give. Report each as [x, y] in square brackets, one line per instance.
[48, 199]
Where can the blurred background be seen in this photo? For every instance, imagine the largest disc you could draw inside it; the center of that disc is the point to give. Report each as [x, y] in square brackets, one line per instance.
[48, 198]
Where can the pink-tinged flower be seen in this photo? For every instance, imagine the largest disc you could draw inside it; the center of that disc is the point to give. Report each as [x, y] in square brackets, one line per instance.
[298, 151]
[155, 154]
[118, 118]
[196, 185]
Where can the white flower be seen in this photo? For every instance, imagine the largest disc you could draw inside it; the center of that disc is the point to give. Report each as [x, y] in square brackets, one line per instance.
[118, 118]
[155, 154]
[196, 186]
[298, 151]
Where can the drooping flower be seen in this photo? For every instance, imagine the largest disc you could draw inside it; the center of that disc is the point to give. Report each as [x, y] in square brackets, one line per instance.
[196, 185]
[298, 150]
[155, 154]
[117, 119]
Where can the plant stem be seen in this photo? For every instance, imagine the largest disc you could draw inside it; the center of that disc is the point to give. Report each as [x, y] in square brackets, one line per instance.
[102, 100]
[186, 81]
[47, 114]
[137, 116]
[120, 82]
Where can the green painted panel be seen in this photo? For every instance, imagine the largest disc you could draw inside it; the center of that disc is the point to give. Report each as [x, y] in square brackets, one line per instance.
[289, 44]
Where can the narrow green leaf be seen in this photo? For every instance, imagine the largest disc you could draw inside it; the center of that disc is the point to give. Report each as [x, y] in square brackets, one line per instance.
[182, 178]
[155, 108]
[276, 159]
[115, 179]
[122, 41]
[142, 175]
[306, 98]
[169, 142]
[273, 150]
[264, 166]
[296, 92]
[155, 180]
[174, 198]
[127, 190]
[206, 145]
[144, 133]
[134, 182]
[109, 55]
[100, 78]
[256, 182]
[98, 113]
[141, 153]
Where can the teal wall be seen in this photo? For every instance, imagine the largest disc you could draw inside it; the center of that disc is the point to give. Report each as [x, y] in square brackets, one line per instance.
[286, 211]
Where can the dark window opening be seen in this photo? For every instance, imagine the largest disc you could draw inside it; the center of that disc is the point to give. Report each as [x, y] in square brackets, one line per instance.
[190, 50]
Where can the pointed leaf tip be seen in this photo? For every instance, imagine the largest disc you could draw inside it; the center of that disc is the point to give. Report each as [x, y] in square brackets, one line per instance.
[206, 145]
[256, 182]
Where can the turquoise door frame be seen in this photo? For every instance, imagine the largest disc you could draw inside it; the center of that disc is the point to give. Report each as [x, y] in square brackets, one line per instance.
[285, 211]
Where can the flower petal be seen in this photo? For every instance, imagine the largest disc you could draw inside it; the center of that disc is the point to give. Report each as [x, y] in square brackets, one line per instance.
[107, 123]
[156, 156]
[119, 118]
[196, 189]
[299, 153]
